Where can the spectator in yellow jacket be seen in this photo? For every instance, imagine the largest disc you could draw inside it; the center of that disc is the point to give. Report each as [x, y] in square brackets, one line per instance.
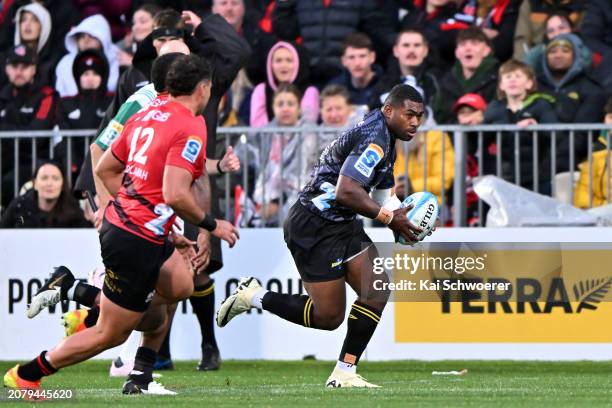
[426, 163]
[599, 171]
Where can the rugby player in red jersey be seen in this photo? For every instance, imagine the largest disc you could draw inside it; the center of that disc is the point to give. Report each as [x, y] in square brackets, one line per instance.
[133, 237]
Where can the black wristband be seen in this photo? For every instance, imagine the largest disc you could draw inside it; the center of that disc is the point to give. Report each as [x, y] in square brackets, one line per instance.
[208, 223]
[219, 167]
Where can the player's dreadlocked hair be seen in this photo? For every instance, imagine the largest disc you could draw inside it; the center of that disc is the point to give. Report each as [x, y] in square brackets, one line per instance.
[185, 73]
[400, 93]
[159, 70]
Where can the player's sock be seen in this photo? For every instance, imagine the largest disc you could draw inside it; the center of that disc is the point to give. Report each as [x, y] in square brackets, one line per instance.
[130, 347]
[92, 316]
[37, 368]
[256, 300]
[350, 368]
[361, 323]
[294, 308]
[82, 293]
[203, 303]
[143, 365]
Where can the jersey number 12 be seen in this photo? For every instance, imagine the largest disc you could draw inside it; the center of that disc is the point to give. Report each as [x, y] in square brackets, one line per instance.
[140, 157]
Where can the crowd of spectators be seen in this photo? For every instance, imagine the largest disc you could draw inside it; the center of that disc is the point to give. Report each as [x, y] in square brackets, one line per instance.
[318, 62]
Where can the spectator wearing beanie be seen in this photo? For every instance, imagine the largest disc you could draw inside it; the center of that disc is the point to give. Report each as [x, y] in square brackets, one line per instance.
[86, 109]
[93, 32]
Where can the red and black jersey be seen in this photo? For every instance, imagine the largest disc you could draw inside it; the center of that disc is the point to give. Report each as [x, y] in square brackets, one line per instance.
[164, 134]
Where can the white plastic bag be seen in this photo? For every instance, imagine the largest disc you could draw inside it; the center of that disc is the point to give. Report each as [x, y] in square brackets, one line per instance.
[514, 206]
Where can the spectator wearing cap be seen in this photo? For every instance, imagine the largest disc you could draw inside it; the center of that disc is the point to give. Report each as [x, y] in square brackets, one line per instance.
[323, 25]
[86, 109]
[596, 28]
[519, 103]
[530, 26]
[92, 33]
[475, 71]
[24, 105]
[411, 64]
[360, 74]
[469, 111]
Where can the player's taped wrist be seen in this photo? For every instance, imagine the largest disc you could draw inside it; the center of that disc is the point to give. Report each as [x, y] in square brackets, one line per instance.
[219, 167]
[384, 216]
[208, 223]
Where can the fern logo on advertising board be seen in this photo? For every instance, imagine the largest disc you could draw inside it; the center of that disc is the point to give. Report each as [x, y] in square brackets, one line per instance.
[550, 296]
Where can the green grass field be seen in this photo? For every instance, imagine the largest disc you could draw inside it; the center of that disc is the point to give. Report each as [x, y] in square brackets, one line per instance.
[300, 383]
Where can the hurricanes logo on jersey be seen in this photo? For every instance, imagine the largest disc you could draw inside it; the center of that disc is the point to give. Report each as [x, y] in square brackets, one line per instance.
[192, 148]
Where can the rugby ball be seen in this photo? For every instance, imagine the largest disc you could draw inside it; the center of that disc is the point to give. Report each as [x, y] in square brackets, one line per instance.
[424, 214]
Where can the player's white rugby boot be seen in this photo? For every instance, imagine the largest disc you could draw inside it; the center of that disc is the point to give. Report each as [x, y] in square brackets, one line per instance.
[239, 301]
[49, 294]
[344, 379]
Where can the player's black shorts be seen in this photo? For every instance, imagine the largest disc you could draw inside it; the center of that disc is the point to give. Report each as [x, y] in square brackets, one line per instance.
[320, 247]
[132, 266]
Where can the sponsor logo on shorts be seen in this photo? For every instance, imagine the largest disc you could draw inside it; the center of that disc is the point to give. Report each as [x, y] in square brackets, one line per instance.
[337, 263]
[370, 157]
[192, 149]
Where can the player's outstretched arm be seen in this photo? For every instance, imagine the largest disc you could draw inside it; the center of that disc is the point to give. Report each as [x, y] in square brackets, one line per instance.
[352, 195]
[178, 195]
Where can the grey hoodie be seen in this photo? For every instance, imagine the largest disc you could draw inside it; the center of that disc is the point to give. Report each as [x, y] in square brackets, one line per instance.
[576, 69]
[44, 18]
[98, 27]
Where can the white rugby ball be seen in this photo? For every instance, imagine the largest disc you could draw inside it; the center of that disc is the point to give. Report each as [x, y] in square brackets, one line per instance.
[424, 214]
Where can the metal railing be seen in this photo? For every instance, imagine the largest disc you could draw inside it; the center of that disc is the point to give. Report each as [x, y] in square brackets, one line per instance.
[530, 157]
